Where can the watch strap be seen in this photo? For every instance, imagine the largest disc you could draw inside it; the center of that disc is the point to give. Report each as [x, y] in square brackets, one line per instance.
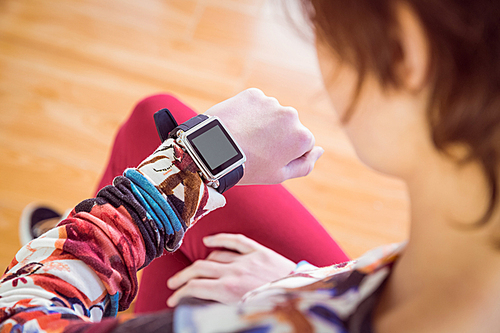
[165, 123]
[230, 179]
[188, 124]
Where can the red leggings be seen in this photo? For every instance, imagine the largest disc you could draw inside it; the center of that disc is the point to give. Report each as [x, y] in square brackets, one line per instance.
[268, 214]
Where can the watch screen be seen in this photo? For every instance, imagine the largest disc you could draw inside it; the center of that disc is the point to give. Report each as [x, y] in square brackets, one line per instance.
[215, 147]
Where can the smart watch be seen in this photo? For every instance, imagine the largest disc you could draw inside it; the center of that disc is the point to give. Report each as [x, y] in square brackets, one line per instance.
[216, 153]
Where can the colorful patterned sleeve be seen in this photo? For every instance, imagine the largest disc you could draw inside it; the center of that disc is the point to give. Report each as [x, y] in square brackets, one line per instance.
[82, 272]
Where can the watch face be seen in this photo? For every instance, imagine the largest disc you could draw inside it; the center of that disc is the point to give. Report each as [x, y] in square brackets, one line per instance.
[215, 147]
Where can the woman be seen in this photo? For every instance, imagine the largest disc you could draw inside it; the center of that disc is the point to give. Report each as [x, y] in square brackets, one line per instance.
[416, 83]
[424, 77]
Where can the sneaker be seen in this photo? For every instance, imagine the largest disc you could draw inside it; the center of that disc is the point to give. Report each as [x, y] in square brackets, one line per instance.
[36, 220]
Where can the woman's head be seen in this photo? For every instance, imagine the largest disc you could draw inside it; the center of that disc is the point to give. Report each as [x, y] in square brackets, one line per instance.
[455, 68]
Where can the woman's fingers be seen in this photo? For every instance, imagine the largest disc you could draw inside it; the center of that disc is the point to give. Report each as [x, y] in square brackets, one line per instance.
[235, 242]
[206, 289]
[303, 165]
[223, 256]
[211, 268]
[199, 269]
[225, 276]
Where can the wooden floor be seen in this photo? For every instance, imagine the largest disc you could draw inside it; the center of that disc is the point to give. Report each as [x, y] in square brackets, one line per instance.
[70, 72]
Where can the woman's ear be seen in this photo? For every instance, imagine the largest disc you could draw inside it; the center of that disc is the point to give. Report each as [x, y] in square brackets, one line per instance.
[412, 67]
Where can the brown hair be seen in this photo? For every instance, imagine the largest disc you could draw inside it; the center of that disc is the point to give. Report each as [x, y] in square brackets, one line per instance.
[464, 38]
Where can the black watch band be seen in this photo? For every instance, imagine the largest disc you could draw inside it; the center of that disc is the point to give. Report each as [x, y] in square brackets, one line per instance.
[231, 179]
[165, 123]
[167, 128]
[187, 125]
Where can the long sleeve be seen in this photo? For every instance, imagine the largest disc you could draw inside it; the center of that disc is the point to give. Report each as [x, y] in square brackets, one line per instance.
[84, 270]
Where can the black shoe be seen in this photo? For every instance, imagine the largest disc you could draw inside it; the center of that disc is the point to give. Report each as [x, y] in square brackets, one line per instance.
[35, 220]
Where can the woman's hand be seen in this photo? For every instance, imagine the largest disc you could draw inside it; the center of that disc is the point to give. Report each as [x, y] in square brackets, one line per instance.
[278, 147]
[225, 276]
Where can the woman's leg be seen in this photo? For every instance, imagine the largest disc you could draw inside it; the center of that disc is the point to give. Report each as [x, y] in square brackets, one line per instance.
[268, 214]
